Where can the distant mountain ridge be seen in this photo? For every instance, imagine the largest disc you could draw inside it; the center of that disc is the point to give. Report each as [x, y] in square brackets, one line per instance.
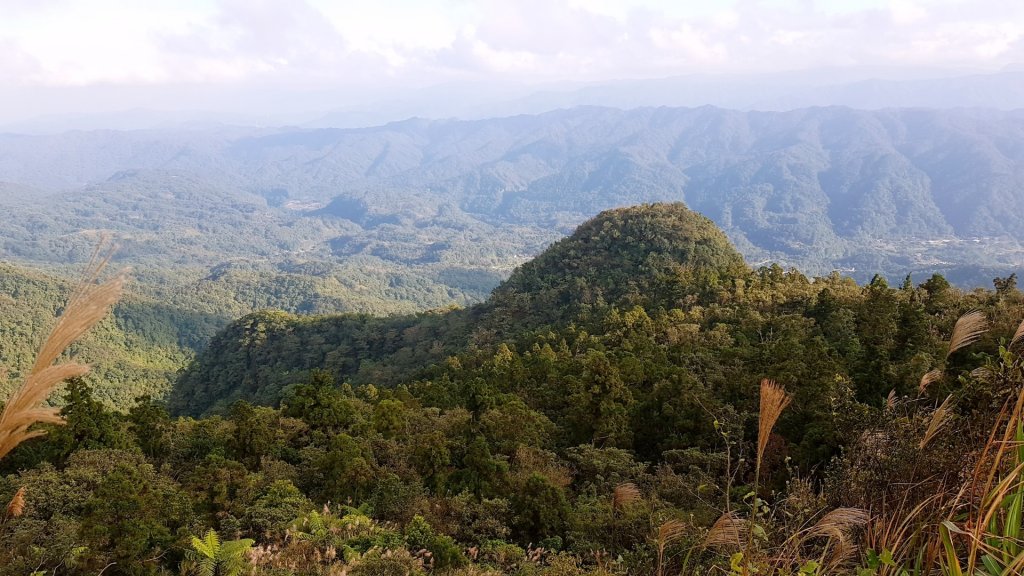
[892, 191]
[862, 87]
[873, 89]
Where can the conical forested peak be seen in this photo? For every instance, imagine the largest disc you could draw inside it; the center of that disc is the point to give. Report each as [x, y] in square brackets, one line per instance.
[652, 254]
[655, 255]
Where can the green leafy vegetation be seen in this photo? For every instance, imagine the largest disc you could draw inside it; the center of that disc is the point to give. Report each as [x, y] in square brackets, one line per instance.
[636, 400]
[137, 350]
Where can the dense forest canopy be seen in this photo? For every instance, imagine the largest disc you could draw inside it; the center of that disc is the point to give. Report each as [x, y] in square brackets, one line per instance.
[603, 412]
[138, 350]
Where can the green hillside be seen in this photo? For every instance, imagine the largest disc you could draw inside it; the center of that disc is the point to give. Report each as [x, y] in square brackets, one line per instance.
[609, 411]
[138, 350]
[659, 273]
[657, 256]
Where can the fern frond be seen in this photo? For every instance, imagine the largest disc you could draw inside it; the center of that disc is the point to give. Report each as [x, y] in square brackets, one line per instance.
[208, 546]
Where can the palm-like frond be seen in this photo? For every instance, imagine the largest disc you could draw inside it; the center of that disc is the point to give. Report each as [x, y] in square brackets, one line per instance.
[210, 556]
[208, 546]
[232, 560]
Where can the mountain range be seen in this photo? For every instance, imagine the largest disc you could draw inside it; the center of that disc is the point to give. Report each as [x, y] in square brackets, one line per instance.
[443, 209]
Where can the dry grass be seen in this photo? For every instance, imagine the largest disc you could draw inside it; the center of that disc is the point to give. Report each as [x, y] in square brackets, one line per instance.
[942, 415]
[999, 472]
[899, 529]
[969, 329]
[982, 373]
[669, 532]
[773, 401]
[729, 531]
[88, 304]
[928, 379]
[17, 504]
[624, 494]
[1018, 336]
[839, 523]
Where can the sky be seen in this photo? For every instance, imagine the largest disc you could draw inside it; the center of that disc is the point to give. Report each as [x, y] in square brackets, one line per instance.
[67, 56]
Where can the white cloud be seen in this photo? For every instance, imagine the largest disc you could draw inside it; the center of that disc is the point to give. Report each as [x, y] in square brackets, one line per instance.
[329, 43]
[905, 12]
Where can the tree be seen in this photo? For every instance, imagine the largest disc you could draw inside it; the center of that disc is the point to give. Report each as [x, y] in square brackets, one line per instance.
[348, 469]
[131, 515]
[149, 422]
[89, 425]
[320, 404]
[601, 405]
[541, 509]
[1005, 286]
[254, 434]
[432, 459]
[389, 417]
[481, 471]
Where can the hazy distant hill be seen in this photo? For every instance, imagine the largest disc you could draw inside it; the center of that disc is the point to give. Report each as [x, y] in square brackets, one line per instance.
[867, 89]
[460, 202]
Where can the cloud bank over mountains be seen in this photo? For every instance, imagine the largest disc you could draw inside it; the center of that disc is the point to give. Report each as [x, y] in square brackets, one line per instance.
[360, 52]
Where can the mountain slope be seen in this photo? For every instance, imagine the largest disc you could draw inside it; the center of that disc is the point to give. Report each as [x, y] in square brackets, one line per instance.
[659, 255]
[137, 350]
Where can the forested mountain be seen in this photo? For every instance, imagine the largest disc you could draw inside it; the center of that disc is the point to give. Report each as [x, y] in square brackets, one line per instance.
[658, 256]
[636, 400]
[454, 205]
[612, 409]
[660, 270]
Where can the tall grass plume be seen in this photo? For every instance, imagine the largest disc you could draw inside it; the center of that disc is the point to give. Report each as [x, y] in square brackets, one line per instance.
[88, 304]
[968, 329]
[774, 401]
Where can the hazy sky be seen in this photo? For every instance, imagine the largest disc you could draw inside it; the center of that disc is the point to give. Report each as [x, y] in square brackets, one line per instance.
[388, 44]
